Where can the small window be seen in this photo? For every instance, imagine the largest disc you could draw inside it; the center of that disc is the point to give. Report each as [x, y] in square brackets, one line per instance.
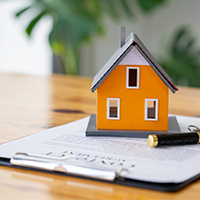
[151, 109]
[113, 105]
[132, 77]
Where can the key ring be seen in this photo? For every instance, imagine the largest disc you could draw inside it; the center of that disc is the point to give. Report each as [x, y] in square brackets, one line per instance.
[193, 128]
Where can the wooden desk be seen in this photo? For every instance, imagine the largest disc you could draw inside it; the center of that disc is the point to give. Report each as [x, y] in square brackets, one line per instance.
[29, 104]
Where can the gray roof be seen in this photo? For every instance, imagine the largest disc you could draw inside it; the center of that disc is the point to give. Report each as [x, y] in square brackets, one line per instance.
[118, 56]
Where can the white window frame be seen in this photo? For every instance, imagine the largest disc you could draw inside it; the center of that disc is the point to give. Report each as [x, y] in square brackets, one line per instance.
[118, 108]
[127, 77]
[146, 110]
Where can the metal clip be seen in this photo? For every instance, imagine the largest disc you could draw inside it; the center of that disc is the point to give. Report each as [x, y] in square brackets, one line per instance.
[63, 165]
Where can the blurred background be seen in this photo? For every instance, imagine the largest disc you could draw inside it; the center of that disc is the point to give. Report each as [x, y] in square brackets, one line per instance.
[77, 37]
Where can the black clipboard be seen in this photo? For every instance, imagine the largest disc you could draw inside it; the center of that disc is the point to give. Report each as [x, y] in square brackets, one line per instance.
[165, 187]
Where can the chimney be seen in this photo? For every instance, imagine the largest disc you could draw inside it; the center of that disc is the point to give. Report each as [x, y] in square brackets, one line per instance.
[122, 36]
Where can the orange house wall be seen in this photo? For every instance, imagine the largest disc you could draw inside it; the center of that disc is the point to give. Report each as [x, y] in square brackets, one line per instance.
[132, 101]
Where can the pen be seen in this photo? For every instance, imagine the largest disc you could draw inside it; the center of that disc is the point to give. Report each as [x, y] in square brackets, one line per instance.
[192, 137]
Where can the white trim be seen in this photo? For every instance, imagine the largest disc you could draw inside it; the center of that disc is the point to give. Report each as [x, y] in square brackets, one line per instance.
[127, 77]
[146, 110]
[118, 108]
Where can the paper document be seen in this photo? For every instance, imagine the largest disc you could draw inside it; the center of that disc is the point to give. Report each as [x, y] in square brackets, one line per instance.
[165, 164]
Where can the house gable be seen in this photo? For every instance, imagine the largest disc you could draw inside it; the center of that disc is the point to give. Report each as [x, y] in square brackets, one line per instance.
[133, 57]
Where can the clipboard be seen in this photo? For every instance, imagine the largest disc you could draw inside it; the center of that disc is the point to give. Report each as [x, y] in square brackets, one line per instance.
[42, 139]
[105, 175]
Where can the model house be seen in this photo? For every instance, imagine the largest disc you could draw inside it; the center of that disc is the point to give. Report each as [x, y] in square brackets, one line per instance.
[132, 89]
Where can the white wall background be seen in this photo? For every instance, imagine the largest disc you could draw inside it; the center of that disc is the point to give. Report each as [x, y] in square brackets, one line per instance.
[19, 54]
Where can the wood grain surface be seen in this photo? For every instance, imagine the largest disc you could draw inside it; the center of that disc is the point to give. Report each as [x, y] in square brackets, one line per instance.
[29, 104]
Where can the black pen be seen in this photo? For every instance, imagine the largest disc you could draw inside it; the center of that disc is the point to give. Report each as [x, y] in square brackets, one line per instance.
[192, 137]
